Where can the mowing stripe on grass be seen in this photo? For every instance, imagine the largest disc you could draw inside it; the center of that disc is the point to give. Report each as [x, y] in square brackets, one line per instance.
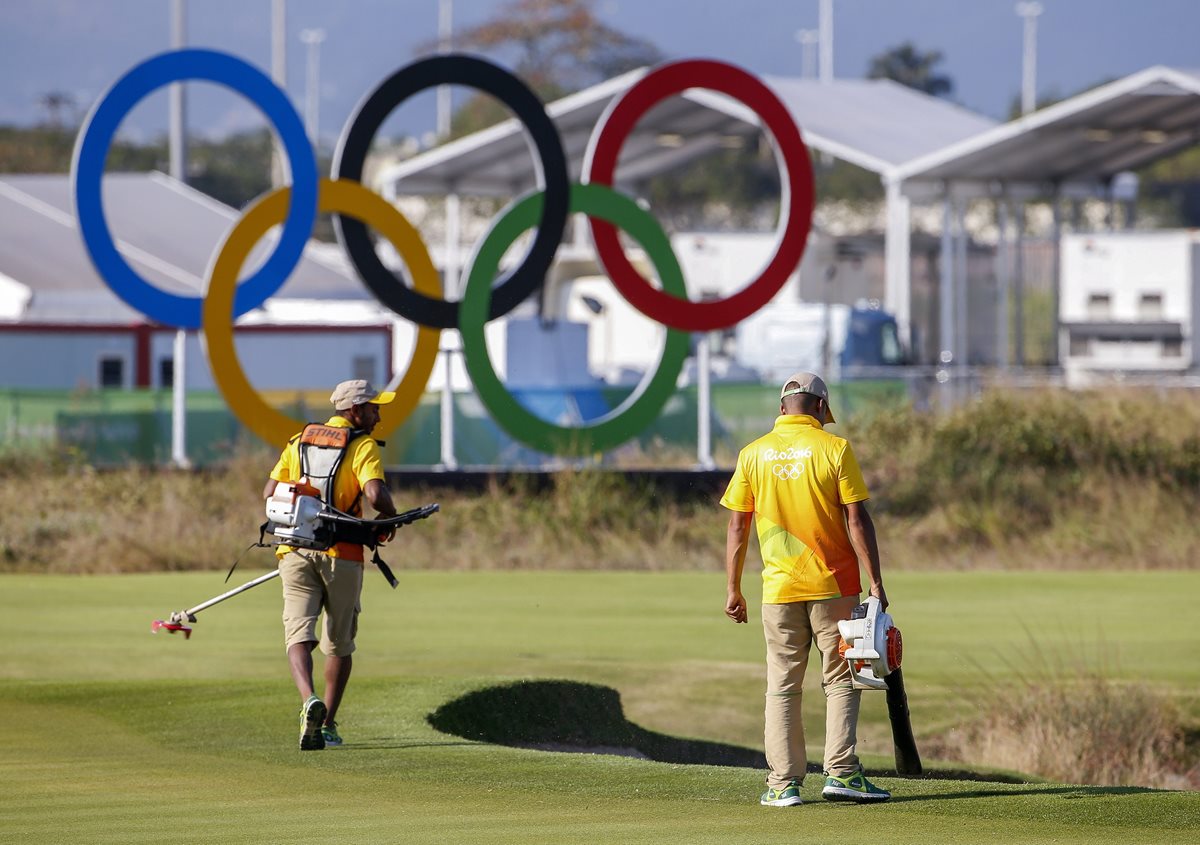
[117, 735]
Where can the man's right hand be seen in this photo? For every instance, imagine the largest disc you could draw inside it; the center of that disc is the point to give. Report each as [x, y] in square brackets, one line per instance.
[878, 592]
[735, 606]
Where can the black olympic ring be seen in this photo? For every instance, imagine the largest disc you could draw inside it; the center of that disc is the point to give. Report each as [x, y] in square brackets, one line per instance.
[359, 132]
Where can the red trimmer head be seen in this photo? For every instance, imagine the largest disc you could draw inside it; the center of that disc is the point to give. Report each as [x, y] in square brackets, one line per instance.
[170, 628]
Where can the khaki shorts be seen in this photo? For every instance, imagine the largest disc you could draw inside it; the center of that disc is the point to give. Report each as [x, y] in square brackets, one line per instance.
[312, 582]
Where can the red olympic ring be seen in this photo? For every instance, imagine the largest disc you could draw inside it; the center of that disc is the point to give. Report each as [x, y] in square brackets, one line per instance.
[796, 202]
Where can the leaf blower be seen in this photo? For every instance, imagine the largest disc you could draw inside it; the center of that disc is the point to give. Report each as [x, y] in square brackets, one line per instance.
[872, 646]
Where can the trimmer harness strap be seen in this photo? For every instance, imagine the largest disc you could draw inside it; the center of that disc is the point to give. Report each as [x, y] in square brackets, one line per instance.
[322, 448]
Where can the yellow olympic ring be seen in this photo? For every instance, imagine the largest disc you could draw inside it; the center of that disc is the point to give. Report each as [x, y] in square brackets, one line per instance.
[341, 197]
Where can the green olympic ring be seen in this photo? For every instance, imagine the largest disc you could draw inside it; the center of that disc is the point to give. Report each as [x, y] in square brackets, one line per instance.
[639, 409]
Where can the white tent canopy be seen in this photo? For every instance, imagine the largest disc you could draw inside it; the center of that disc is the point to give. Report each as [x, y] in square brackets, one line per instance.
[924, 149]
[1073, 149]
[1082, 142]
[876, 124]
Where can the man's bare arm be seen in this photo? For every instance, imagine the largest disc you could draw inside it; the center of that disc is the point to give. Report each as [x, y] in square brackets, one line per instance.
[862, 537]
[379, 497]
[737, 540]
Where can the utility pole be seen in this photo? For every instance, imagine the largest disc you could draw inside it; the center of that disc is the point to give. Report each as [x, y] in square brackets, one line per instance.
[176, 131]
[808, 39]
[278, 76]
[825, 26]
[1029, 10]
[445, 35]
[312, 38]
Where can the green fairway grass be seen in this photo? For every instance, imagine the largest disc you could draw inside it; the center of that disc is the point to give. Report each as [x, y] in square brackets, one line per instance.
[113, 734]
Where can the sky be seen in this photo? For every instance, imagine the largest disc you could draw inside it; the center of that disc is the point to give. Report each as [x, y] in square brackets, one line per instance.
[80, 47]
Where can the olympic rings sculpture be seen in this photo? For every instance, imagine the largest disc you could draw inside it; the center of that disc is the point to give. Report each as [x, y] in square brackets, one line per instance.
[485, 298]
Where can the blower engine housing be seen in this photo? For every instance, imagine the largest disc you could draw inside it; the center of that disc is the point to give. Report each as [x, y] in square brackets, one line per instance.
[294, 511]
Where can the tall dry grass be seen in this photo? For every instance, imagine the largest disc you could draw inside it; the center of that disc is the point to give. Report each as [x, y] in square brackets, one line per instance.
[1041, 480]
[56, 516]
[1071, 721]
[584, 520]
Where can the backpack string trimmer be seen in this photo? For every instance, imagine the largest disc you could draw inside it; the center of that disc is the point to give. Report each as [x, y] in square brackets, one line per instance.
[296, 517]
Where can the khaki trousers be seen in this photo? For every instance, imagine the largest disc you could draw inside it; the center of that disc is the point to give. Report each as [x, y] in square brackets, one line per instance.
[790, 630]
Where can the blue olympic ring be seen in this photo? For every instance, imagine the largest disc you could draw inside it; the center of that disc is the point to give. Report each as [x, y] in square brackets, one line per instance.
[87, 172]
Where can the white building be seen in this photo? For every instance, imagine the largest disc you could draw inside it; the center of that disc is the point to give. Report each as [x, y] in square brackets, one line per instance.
[1129, 304]
[61, 327]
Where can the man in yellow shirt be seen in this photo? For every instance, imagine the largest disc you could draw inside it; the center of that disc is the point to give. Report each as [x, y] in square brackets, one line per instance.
[803, 488]
[341, 460]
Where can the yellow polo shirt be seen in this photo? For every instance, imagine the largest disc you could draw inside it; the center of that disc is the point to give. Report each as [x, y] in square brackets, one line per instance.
[795, 480]
[361, 463]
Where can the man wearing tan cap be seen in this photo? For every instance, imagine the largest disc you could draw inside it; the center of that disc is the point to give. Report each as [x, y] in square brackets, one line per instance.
[341, 460]
[802, 486]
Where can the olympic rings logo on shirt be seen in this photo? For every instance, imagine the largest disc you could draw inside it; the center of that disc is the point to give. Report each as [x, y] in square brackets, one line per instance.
[787, 472]
[485, 298]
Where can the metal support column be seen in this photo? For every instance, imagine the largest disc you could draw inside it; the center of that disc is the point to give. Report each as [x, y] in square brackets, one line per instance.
[179, 402]
[704, 403]
[946, 328]
[450, 339]
[1003, 282]
[898, 261]
[1019, 289]
[962, 287]
[1056, 273]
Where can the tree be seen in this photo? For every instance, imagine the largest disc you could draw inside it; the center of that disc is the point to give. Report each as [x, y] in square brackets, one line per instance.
[556, 46]
[912, 67]
[56, 103]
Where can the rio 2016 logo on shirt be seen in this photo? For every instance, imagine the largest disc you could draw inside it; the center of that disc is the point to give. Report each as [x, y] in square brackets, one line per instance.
[789, 454]
[485, 298]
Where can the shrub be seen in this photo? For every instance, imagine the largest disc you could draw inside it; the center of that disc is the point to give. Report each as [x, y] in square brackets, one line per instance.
[1043, 478]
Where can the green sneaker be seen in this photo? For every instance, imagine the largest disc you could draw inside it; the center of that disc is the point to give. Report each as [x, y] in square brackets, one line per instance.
[789, 796]
[854, 788]
[312, 716]
[332, 738]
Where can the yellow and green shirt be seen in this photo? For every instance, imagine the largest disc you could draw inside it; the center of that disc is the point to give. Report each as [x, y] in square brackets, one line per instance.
[361, 463]
[795, 481]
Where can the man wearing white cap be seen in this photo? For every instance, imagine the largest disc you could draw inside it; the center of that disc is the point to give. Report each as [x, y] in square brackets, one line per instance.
[803, 489]
[342, 461]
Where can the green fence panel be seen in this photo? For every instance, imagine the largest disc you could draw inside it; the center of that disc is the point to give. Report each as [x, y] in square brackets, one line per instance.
[108, 427]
